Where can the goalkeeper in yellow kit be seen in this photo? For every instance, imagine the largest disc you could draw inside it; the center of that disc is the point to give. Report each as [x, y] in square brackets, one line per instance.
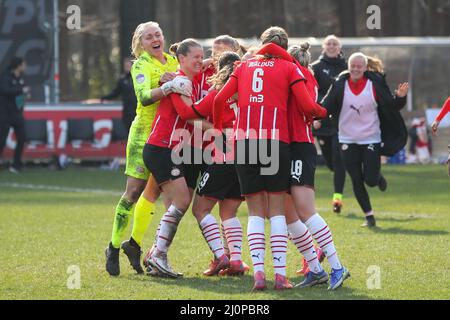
[152, 67]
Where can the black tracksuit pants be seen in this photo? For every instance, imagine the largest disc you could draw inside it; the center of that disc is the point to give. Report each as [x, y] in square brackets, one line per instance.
[363, 165]
[18, 125]
[331, 152]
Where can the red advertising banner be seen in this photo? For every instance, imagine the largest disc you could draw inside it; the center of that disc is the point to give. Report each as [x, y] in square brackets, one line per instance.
[57, 119]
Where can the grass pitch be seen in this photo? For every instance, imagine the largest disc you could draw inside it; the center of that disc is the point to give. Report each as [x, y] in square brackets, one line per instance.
[53, 223]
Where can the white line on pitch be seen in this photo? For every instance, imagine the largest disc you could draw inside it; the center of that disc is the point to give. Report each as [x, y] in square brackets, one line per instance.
[58, 188]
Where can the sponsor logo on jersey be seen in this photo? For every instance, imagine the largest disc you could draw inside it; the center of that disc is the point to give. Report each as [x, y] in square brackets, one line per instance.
[140, 78]
[175, 172]
[140, 170]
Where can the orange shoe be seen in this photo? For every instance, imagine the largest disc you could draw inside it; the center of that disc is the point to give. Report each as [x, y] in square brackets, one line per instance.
[216, 266]
[305, 268]
[236, 268]
[260, 281]
[282, 283]
[337, 206]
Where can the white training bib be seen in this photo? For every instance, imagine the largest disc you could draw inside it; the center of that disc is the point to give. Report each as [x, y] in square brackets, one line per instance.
[359, 122]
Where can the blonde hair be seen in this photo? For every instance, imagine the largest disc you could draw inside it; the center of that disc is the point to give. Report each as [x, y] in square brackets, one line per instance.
[331, 37]
[358, 55]
[276, 35]
[301, 53]
[375, 64]
[136, 43]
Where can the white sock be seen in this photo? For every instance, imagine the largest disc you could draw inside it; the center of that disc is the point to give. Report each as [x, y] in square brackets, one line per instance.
[233, 233]
[278, 242]
[211, 232]
[322, 234]
[302, 239]
[169, 225]
[256, 241]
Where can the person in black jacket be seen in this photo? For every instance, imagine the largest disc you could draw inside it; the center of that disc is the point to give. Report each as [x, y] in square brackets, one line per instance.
[12, 100]
[369, 124]
[124, 87]
[329, 65]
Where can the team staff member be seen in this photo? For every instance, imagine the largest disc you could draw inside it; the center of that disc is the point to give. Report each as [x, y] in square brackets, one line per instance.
[158, 157]
[264, 120]
[326, 69]
[151, 67]
[12, 100]
[369, 125]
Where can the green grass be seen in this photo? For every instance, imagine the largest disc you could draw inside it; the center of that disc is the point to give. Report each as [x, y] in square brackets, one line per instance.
[43, 232]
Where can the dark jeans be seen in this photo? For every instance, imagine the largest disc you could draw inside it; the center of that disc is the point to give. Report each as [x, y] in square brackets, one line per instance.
[18, 125]
[363, 165]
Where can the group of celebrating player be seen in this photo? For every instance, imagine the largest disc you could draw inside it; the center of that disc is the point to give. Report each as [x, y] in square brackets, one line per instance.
[261, 103]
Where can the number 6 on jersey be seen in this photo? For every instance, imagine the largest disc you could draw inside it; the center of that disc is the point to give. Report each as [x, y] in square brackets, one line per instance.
[257, 85]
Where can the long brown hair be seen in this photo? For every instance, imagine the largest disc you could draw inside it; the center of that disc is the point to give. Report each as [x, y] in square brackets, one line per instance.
[225, 67]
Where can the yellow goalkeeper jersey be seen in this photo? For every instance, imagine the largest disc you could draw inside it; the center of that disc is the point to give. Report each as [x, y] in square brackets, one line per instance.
[146, 73]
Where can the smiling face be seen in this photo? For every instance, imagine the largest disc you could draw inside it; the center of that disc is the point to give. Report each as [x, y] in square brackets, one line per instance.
[357, 66]
[192, 63]
[332, 48]
[152, 41]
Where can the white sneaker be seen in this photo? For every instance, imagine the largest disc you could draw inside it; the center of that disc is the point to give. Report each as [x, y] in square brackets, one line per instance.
[161, 263]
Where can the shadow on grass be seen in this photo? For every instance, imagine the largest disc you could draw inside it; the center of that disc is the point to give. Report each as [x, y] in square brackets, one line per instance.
[397, 230]
[354, 216]
[243, 285]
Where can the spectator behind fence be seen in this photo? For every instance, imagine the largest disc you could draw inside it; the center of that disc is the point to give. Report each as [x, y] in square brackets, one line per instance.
[326, 69]
[124, 88]
[13, 94]
[420, 142]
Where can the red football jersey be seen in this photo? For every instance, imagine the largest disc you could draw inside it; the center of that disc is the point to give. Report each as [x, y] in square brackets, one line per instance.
[263, 91]
[201, 82]
[299, 123]
[166, 128]
[204, 109]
